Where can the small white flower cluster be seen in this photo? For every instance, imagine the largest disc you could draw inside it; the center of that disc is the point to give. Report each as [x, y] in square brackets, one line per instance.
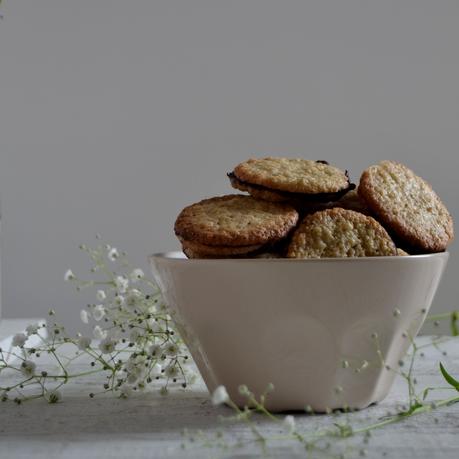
[69, 276]
[136, 321]
[133, 337]
[289, 424]
[220, 396]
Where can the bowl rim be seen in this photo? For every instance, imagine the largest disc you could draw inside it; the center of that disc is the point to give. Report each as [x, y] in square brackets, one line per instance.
[169, 256]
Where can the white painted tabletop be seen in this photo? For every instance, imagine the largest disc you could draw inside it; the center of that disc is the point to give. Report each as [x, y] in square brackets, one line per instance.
[149, 425]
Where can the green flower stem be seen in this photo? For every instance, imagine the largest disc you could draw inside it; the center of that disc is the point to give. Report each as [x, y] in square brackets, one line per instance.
[443, 316]
[436, 341]
[245, 415]
[402, 416]
[18, 384]
[261, 408]
[65, 375]
[310, 441]
[74, 375]
[408, 377]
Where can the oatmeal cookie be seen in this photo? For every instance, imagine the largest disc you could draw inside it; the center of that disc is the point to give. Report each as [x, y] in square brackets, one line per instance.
[235, 220]
[220, 251]
[407, 206]
[288, 177]
[340, 232]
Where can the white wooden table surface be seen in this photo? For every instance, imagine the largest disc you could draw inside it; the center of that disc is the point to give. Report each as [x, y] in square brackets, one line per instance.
[149, 425]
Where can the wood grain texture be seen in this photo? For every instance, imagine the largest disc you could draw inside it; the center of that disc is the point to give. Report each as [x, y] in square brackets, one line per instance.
[148, 425]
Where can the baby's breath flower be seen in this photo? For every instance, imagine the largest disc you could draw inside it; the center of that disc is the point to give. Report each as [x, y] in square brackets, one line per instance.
[125, 391]
[134, 335]
[244, 390]
[121, 283]
[156, 369]
[145, 321]
[101, 295]
[269, 388]
[69, 276]
[191, 377]
[113, 254]
[54, 396]
[98, 312]
[171, 371]
[133, 298]
[140, 359]
[289, 423]
[99, 333]
[156, 350]
[119, 300]
[308, 409]
[28, 368]
[32, 329]
[84, 316]
[137, 274]
[172, 349]
[83, 342]
[220, 396]
[19, 340]
[129, 366]
[107, 346]
[136, 374]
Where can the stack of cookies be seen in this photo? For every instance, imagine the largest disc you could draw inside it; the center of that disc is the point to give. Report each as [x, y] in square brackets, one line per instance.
[233, 225]
[300, 208]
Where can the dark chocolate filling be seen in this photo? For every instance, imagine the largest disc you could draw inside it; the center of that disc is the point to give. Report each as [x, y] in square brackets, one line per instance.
[314, 197]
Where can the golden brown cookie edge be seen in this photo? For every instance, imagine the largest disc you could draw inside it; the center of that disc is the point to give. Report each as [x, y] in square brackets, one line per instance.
[273, 232]
[419, 241]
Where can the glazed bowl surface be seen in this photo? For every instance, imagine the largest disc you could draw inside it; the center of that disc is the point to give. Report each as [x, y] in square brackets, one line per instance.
[323, 331]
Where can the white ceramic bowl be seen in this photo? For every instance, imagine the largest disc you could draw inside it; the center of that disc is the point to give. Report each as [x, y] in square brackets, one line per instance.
[295, 323]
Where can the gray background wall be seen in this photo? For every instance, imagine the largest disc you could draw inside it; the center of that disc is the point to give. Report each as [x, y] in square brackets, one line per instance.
[115, 114]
